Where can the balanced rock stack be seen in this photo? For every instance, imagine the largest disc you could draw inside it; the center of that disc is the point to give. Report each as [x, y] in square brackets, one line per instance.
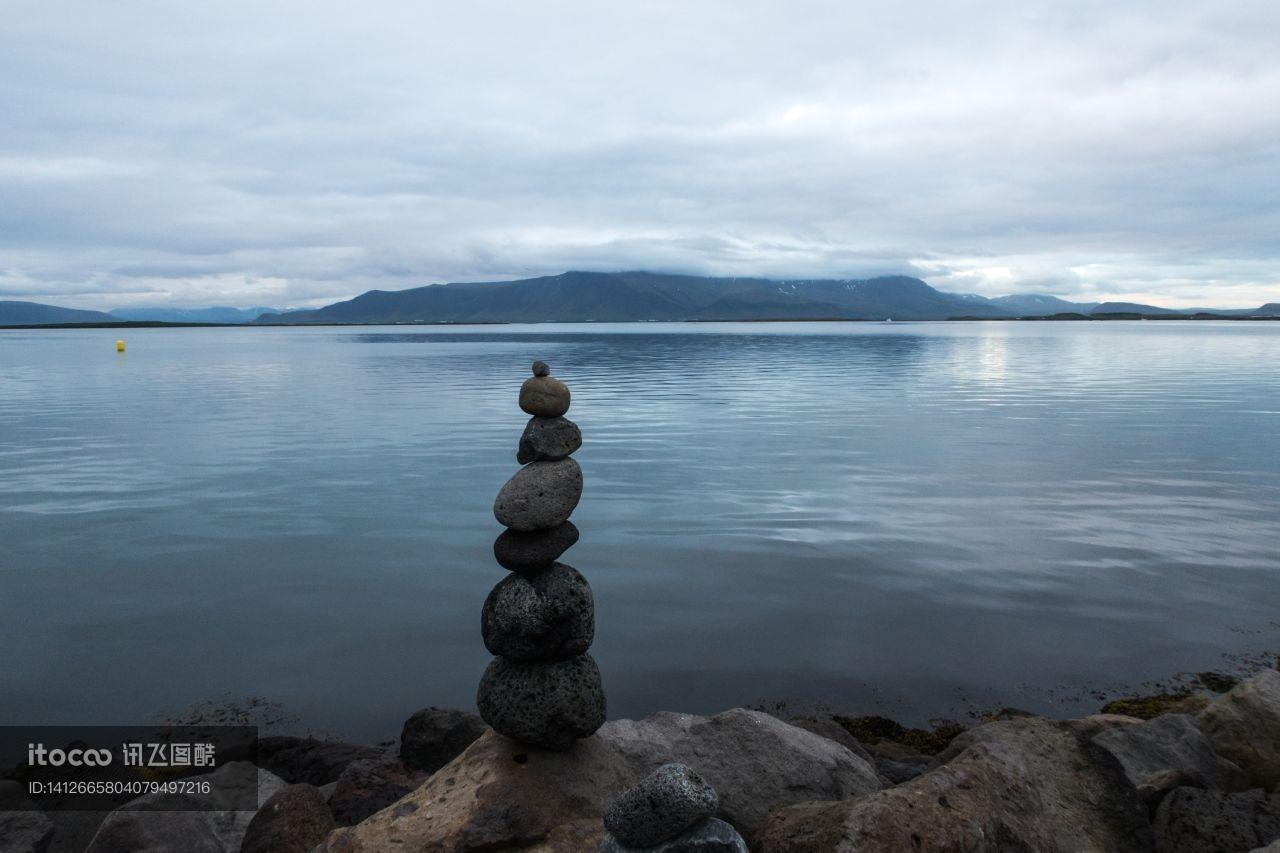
[542, 688]
[669, 811]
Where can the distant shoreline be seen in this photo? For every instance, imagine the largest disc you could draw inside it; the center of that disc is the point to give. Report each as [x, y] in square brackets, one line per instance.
[1055, 318]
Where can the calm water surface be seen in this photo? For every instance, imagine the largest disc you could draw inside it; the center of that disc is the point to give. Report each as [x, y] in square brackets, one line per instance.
[907, 519]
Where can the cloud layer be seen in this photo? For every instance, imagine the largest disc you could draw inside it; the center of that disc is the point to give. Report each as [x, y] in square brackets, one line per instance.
[292, 154]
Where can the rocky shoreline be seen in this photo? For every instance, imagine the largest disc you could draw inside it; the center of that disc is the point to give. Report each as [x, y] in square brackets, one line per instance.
[1189, 779]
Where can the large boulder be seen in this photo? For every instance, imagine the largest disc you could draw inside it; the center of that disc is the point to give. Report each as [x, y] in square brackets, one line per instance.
[433, 737]
[130, 828]
[1244, 726]
[500, 795]
[293, 820]
[1191, 820]
[830, 729]
[1162, 754]
[755, 762]
[315, 762]
[1027, 785]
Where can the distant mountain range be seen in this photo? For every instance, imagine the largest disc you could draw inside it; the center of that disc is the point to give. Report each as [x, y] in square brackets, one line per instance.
[637, 296]
[194, 315]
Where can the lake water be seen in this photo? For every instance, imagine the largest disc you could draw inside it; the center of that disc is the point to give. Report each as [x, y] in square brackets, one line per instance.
[911, 519]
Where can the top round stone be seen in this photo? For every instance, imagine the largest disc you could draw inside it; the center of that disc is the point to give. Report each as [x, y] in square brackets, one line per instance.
[541, 368]
[544, 396]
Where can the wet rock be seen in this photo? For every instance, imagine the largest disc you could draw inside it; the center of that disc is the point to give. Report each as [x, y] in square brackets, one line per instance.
[1191, 820]
[755, 762]
[661, 806]
[710, 836]
[544, 397]
[500, 795]
[544, 616]
[369, 786]
[433, 737]
[294, 820]
[1244, 726]
[1162, 754]
[129, 830]
[528, 552]
[541, 368]
[315, 762]
[1026, 785]
[541, 495]
[549, 705]
[548, 438]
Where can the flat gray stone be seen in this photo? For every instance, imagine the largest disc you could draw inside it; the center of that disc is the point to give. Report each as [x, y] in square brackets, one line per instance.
[548, 438]
[548, 615]
[527, 552]
[660, 806]
[710, 836]
[544, 396]
[541, 495]
[548, 705]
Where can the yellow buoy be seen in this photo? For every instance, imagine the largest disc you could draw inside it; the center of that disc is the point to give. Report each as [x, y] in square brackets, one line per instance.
[119, 346]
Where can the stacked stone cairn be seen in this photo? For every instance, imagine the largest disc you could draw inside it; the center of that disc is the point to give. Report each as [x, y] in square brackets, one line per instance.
[542, 688]
[669, 811]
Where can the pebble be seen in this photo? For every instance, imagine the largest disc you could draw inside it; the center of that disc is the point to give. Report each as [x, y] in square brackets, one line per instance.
[544, 396]
[541, 495]
[548, 438]
[528, 552]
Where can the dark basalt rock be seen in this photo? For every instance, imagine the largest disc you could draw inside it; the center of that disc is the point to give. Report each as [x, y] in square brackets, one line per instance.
[433, 737]
[294, 820]
[549, 705]
[368, 787]
[548, 438]
[710, 836]
[544, 396]
[661, 806]
[528, 552]
[545, 616]
[541, 495]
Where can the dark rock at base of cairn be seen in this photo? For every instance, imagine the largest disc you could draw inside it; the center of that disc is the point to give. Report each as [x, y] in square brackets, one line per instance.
[548, 438]
[545, 616]
[661, 806]
[544, 397]
[537, 549]
[549, 705]
[710, 836]
[540, 495]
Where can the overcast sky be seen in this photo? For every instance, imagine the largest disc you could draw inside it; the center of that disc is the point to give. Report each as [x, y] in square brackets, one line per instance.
[291, 154]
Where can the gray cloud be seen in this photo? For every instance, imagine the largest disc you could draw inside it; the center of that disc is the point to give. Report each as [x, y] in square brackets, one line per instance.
[292, 155]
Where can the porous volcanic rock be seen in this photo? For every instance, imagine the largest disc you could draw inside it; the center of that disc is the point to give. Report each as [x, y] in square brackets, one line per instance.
[547, 615]
[549, 705]
[660, 806]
